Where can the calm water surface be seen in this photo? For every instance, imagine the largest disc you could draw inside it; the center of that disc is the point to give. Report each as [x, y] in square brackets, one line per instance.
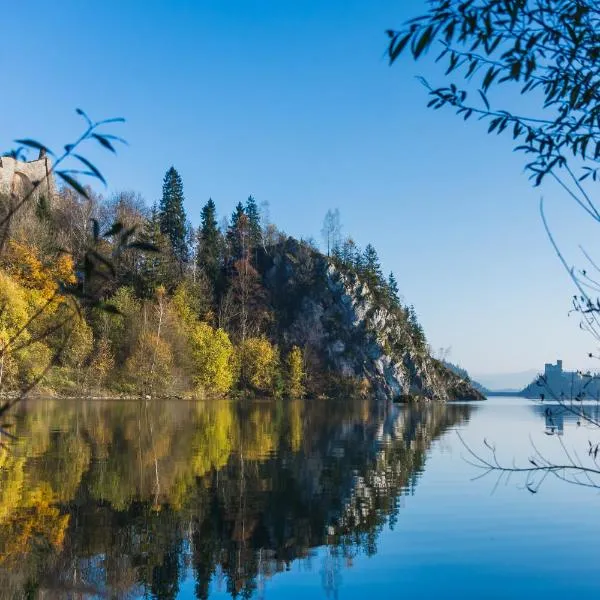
[290, 500]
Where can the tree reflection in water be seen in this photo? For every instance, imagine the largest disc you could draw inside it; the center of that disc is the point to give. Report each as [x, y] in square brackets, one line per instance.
[124, 498]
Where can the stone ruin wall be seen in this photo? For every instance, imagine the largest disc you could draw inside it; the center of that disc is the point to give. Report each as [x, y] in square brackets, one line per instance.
[17, 177]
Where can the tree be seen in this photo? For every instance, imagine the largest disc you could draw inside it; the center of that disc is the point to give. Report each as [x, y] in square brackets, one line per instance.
[549, 51]
[393, 289]
[172, 215]
[331, 230]
[254, 225]
[150, 364]
[209, 243]
[348, 252]
[212, 353]
[155, 267]
[371, 261]
[416, 329]
[371, 267]
[259, 361]
[237, 233]
[295, 373]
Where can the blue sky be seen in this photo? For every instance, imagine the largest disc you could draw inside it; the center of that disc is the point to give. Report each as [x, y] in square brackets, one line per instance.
[294, 103]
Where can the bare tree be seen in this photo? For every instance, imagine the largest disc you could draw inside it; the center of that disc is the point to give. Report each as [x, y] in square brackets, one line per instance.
[331, 231]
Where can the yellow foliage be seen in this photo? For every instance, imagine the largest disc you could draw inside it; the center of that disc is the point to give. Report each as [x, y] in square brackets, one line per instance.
[13, 317]
[296, 410]
[213, 357]
[26, 267]
[80, 342]
[35, 519]
[32, 307]
[182, 304]
[32, 361]
[295, 373]
[213, 439]
[260, 435]
[259, 360]
[151, 363]
[102, 362]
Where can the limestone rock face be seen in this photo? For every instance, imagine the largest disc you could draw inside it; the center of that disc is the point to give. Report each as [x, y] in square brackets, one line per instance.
[335, 315]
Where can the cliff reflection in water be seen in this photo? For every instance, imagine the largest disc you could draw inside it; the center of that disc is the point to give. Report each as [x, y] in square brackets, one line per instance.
[127, 498]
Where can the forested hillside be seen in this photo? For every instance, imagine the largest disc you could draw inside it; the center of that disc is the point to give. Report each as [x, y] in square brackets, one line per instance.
[174, 310]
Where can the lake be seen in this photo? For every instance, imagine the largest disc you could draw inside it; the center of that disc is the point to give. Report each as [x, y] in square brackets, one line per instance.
[276, 499]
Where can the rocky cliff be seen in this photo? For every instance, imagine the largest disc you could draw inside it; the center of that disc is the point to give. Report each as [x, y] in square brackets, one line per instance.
[357, 332]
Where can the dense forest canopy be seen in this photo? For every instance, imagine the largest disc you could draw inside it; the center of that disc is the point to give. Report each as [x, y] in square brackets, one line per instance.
[183, 310]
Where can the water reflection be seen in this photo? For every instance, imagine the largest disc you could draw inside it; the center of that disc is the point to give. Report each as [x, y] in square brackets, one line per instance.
[123, 499]
[556, 414]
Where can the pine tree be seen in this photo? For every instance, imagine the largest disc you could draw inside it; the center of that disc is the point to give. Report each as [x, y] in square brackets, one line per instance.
[152, 264]
[371, 266]
[254, 226]
[348, 252]
[172, 215]
[393, 289]
[237, 232]
[209, 243]
[358, 260]
[417, 331]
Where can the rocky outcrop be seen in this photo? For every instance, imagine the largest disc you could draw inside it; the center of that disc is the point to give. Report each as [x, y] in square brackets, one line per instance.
[335, 315]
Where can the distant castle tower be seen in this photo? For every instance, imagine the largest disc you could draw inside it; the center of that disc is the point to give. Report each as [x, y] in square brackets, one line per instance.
[18, 178]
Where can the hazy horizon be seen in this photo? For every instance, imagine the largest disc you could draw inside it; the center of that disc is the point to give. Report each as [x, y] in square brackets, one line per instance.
[295, 104]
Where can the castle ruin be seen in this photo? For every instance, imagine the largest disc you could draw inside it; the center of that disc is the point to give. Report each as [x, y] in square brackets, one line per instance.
[18, 178]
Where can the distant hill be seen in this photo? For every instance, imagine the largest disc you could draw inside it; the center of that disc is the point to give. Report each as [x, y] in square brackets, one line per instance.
[507, 382]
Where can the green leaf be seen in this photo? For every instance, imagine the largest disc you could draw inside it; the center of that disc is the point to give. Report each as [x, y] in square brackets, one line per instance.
[109, 308]
[485, 100]
[396, 47]
[489, 78]
[145, 246]
[96, 229]
[91, 167]
[423, 42]
[115, 228]
[34, 144]
[102, 259]
[104, 142]
[73, 183]
[82, 113]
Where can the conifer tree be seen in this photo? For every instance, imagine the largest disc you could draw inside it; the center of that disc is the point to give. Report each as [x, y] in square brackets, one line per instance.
[358, 260]
[153, 269]
[372, 267]
[209, 242]
[237, 232]
[418, 333]
[393, 289]
[254, 226]
[172, 215]
[348, 252]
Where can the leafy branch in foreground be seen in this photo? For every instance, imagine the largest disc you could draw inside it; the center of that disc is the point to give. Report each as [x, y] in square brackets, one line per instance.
[548, 52]
[548, 49]
[67, 173]
[38, 303]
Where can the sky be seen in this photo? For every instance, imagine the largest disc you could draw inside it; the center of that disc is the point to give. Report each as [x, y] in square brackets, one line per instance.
[295, 103]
